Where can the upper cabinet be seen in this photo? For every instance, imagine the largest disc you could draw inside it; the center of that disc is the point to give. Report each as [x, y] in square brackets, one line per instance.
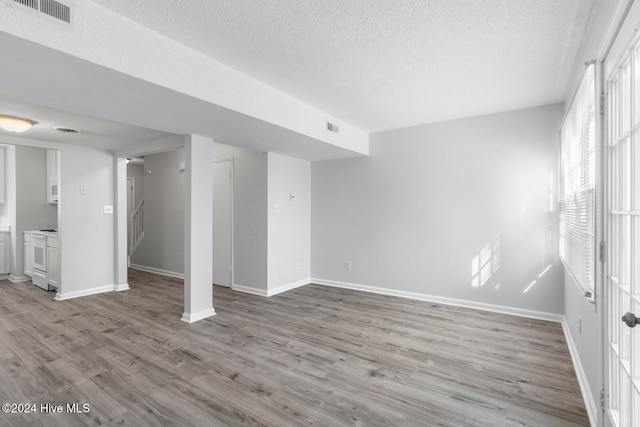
[3, 169]
[52, 176]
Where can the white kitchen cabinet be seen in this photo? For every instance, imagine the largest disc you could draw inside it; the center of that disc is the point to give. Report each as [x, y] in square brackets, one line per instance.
[53, 262]
[5, 253]
[28, 254]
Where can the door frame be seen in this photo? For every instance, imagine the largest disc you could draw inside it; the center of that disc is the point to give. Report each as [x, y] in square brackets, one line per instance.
[622, 36]
[231, 161]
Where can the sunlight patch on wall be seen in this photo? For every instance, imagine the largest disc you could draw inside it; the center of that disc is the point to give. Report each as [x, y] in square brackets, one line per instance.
[486, 263]
[536, 280]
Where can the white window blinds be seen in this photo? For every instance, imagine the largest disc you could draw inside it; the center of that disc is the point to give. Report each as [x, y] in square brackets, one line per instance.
[577, 183]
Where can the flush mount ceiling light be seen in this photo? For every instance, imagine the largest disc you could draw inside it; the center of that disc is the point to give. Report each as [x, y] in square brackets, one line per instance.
[15, 124]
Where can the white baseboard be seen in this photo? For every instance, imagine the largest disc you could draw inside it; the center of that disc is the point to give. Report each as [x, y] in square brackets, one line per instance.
[18, 279]
[287, 287]
[194, 317]
[84, 292]
[122, 287]
[157, 271]
[589, 400]
[270, 292]
[249, 290]
[532, 314]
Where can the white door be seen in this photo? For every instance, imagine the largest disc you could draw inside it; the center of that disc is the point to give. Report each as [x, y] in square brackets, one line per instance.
[622, 216]
[222, 222]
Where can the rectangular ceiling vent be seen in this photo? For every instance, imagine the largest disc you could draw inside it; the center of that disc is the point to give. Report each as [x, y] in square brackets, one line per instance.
[52, 8]
[332, 127]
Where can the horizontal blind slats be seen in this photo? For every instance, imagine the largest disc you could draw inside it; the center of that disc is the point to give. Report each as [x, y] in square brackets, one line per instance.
[577, 183]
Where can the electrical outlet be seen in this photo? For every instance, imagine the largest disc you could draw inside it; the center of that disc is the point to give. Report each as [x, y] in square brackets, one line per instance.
[83, 190]
[298, 266]
[347, 265]
[108, 209]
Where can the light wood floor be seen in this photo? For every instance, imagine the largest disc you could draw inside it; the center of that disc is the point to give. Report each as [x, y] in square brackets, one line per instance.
[312, 356]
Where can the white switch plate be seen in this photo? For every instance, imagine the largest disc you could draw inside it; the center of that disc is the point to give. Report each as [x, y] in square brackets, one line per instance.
[276, 208]
[108, 209]
[83, 189]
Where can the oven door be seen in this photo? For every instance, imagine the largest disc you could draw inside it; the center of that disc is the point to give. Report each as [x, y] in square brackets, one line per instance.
[39, 252]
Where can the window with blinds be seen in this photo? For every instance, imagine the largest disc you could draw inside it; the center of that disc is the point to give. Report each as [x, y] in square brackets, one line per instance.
[577, 184]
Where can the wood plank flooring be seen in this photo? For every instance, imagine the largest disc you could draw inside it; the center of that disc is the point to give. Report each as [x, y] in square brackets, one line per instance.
[311, 356]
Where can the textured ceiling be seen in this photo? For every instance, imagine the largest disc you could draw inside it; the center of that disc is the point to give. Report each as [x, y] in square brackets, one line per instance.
[384, 64]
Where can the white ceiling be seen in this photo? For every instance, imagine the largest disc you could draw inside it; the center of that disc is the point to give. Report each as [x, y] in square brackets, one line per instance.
[385, 64]
[96, 133]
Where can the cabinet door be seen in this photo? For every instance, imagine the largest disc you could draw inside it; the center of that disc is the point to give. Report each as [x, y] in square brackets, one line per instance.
[28, 259]
[53, 267]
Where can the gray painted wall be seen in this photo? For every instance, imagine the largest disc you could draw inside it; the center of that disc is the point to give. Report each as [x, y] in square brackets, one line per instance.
[289, 234]
[415, 214]
[163, 244]
[162, 247]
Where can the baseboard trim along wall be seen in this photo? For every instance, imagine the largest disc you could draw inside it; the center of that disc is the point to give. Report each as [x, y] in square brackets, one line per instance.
[92, 291]
[287, 287]
[19, 279]
[270, 292]
[194, 317]
[532, 314]
[249, 290]
[157, 271]
[589, 400]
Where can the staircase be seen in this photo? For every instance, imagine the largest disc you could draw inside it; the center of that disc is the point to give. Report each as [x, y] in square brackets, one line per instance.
[136, 227]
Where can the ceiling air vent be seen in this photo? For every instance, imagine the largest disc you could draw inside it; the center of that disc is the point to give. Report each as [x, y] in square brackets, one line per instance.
[33, 4]
[52, 8]
[68, 131]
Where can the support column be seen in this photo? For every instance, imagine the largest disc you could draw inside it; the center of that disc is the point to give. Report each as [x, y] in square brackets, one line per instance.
[198, 242]
[121, 224]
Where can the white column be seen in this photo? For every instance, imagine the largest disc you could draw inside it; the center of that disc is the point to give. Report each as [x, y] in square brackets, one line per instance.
[198, 242]
[121, 224]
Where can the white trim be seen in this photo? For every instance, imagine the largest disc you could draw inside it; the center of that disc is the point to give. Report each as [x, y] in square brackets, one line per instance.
[194, 317]
[589, 401]
[157, 271]
[18, 279]
[270, 292]
[249, 290]
[122, 287]
[85, 292]
[287, 287]
[532, 314]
